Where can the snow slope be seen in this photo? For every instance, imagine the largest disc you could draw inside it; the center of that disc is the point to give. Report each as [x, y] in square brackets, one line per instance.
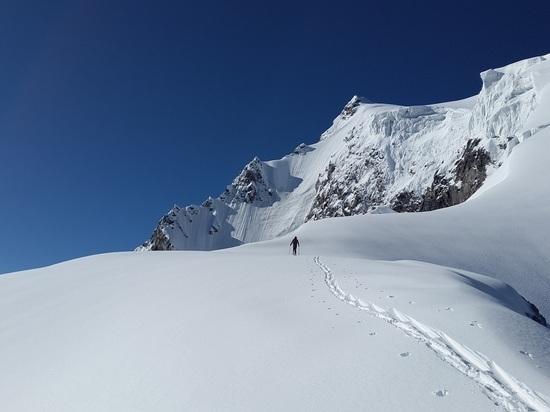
[241, 331]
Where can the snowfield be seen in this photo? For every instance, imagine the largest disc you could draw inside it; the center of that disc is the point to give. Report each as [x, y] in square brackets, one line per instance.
[239, 331]
[386, 311]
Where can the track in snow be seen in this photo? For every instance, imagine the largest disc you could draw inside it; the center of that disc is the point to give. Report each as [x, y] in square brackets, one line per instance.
[499, 386]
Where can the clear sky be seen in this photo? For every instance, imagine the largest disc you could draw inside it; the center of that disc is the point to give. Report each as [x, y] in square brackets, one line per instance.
[112, 111]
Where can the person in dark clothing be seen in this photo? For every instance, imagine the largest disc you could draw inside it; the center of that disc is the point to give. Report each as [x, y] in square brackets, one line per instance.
[294, 244]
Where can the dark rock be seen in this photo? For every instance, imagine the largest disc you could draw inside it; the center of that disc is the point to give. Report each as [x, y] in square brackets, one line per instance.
[250, 186]
[535, 314]
[406, 201]
[350, 108]
[469, 173]
[159, 240]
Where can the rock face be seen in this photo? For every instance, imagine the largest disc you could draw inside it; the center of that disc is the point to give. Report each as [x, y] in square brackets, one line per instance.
[250, 187]
[159, 240]
[535, 314]
[467, 176]
[388, 160]
[373, 157]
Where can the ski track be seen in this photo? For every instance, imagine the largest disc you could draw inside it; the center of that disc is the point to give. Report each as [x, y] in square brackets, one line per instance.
[499, 386]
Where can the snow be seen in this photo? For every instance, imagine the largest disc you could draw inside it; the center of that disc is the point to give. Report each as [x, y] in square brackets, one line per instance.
[249, 330]
[235, 330]
[383, 312]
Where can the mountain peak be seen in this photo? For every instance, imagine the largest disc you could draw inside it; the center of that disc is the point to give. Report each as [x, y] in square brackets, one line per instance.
[249, 187]
[350, 108]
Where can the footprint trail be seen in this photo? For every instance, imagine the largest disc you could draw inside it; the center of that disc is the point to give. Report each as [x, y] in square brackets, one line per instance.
[499, 386]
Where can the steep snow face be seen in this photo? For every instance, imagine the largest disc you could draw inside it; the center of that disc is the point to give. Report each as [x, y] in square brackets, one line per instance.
[374, 155]
[507, 99]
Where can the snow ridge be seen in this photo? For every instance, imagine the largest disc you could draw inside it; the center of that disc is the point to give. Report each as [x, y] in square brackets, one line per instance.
[499, 386]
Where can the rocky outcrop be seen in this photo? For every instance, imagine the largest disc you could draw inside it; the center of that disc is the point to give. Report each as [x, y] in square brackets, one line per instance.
[337, 198]
[341, 193]
[465, 179]
[302, 149]
[350, 108]
[159, 240]
[535, 314]
[406, 201]
[250, 187]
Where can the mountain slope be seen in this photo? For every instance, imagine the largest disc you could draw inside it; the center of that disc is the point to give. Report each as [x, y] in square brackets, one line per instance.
[407, 158]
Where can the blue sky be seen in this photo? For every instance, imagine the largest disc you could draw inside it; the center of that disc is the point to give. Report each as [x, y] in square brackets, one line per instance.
[112, 111]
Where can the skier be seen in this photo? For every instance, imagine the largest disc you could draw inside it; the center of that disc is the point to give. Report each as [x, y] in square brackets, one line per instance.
[294, 244]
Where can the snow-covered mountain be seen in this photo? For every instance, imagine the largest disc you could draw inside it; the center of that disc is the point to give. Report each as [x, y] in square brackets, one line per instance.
[373, 157]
